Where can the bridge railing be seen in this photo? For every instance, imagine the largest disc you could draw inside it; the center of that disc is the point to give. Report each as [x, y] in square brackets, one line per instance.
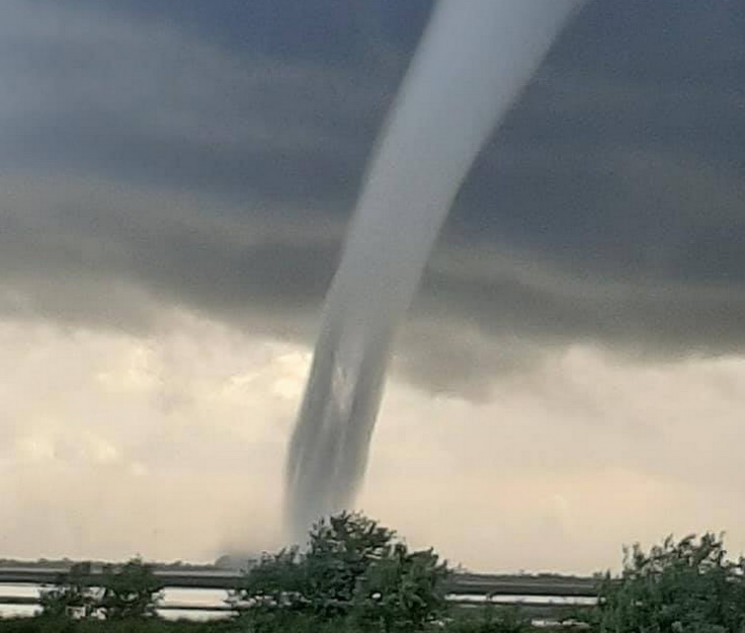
[538, 596]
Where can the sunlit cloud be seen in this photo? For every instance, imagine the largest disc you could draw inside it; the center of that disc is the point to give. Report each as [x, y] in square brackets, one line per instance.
[173, 444]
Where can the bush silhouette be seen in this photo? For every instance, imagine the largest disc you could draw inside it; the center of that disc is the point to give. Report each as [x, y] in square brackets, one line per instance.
[683, 587]
[133, 591]
[353, 570]
[72, 595]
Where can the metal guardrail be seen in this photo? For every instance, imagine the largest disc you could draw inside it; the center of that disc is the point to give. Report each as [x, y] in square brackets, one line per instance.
[498, 585]
[462, 584]
[32, 601]
[538, 596]
[170, 579]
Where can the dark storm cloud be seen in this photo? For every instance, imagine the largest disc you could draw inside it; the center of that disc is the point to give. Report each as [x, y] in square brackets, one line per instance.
[208, 155]
[104, 254]
[147, 103]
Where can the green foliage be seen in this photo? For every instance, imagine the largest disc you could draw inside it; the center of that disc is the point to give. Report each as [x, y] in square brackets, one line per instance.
[71, 596]
[403, 591]
[492, 619]
[352, 574]
[51, 625]
[133, 591]
[683, 587]
[340, 552]
[356, 577]
[276, 583]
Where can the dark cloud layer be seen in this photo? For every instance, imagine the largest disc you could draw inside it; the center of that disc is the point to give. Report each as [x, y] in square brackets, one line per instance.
[209, 155]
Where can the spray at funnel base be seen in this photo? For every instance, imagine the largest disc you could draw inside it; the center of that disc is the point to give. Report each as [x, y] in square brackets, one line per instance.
[474, 59]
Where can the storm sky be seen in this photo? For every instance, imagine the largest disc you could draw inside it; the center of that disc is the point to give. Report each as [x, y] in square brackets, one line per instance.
[175, 180]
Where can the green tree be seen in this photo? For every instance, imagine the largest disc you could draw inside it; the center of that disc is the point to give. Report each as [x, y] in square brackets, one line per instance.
[340, 552]
[72, 595]
[493, 619]
[133, 591]
[353, 570]
[683, 587]
[402, 591]
[275, 582]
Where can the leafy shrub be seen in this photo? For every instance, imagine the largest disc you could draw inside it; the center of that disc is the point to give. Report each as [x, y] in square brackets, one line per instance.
[684, 587]
[72, 595]
[403, 591]
[353, 572]
[130, 592]
[492, 619]
[340, 552]
[47, 625]
[276, 582]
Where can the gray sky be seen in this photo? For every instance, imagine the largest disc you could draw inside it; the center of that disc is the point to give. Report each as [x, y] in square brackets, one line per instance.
[175, 179]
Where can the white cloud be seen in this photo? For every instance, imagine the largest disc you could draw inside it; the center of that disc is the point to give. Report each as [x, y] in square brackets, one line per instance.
[116, 444]
[566, 463]
[172, 445]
